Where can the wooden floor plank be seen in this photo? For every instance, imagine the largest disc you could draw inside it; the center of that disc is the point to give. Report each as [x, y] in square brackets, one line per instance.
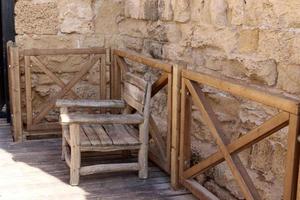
[33, 170]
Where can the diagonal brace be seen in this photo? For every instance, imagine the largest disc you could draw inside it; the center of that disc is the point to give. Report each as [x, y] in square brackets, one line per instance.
[238, 170]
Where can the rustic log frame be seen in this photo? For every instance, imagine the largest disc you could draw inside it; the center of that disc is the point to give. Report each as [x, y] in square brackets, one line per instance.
[289, 116]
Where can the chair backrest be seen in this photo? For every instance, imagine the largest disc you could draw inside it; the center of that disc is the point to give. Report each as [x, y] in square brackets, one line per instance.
[136, 91]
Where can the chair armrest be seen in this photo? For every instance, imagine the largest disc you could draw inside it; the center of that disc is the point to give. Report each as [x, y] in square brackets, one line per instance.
[101, 119]
[90, 103]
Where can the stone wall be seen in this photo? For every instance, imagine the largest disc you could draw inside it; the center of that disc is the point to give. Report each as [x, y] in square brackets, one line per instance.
[253, 41]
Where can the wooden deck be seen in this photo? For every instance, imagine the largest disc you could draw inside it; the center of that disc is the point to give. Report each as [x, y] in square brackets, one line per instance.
[33, 170]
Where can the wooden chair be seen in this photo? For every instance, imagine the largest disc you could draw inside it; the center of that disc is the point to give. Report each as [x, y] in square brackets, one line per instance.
[108, 132]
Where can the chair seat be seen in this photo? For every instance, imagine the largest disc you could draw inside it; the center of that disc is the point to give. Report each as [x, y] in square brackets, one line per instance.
[108, 135]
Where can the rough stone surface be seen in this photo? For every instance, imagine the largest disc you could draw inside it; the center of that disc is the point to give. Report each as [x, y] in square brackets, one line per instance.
[255, 42]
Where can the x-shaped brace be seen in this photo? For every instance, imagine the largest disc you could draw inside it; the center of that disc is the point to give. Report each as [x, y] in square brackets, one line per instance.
[238, 170]
[47, 106]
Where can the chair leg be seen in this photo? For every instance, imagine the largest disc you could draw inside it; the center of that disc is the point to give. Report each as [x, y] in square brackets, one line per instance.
[75, 154]
[143, 154]
[63, 148]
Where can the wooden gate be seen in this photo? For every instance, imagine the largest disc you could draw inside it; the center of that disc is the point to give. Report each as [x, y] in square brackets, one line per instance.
[161, 150]
[228, 151]
[34, 124]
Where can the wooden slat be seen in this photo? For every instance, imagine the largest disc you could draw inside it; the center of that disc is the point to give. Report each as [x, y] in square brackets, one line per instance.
[132, 131]
[235, 165]
[90, 103]
[127, 137]
[292, 160]
[45, 126]
[44, 68]
[75, 160]
[114, 135]
[144, 60]
[169, 122]
[136, 81]
[51, 102]
[84, 140]
[175, 113]
[199, 191]
[104, 138]
[39, 52]
[102, 80]
[91, 134]
[158, 139]
[123, 64]
[28, 92]
[266, 129]
[15, 91]
[160, 83]
[101, 118]
[133, 91]
[246, 91]
[108, 168]
[133, 103]
[185, 130]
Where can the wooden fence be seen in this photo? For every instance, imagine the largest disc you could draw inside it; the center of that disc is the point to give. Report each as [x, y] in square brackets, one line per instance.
[228, 151]
[172, 152]
[34, 124]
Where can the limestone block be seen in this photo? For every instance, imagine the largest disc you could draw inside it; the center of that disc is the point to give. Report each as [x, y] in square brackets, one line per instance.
[261, 72]
[173, 32]
[254, 113]
[236, 9]
[47, 41]
[288, 78]
[218, 12]
[134, 28]
[182, 11]
[153, 48]
[275, 45]
[208, 37]
[157, 31]
[76, 16]
[248, 40]
[108, 15]
[176, 52]
[91, 40]
[133, 43]
[201, 12]
[262, 156]
[36, 18]
[165, 9]
[142, 9]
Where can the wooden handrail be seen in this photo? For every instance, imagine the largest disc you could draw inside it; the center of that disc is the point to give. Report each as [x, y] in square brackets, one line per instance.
[144, 60]
[242, 90]
[48, 52]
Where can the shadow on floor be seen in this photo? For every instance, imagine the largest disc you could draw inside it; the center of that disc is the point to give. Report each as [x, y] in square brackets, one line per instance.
[33, 170]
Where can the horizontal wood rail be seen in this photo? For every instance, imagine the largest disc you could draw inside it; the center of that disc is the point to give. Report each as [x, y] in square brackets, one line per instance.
[49, 52]
[144, 60]
[191, 93]
[242, 90]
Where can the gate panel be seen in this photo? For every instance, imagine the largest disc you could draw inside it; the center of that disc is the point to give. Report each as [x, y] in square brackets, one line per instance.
[228, 150]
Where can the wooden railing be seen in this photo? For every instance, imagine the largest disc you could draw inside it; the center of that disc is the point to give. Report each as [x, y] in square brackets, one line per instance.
[160, 153]
[172, 152]
[34, 123]
[228, 151]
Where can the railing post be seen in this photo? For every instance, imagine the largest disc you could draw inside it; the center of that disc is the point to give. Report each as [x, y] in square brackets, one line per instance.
[176, 91]
[15, 91]
[292, 161]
